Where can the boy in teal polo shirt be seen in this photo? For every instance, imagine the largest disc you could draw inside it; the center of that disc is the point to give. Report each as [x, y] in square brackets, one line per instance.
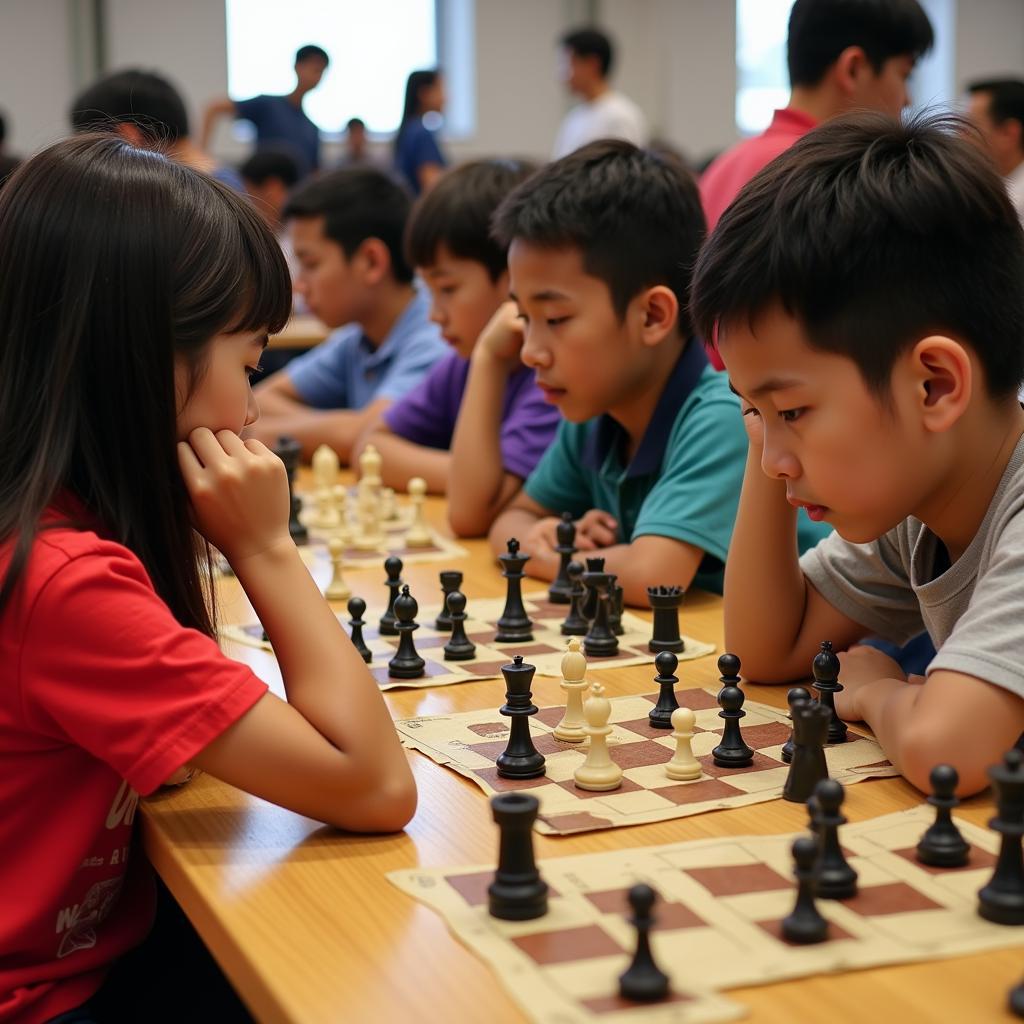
[650, 455]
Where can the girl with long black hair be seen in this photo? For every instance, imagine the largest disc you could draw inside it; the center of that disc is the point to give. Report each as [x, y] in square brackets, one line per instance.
[418, 157]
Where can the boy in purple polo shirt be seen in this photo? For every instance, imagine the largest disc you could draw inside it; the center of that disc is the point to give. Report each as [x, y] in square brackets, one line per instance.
[477, 424]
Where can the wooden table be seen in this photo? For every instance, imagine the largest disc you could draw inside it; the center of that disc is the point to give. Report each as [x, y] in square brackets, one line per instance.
[300, 332]
[309, 930]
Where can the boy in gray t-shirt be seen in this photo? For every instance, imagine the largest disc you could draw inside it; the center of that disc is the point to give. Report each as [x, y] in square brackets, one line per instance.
[865, 290]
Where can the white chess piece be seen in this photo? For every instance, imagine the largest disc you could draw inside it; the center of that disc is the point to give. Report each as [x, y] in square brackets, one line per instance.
[598, 772]
[326, 513]
[337, 589]
[418, 535]
[325, 467]
[339, 498]
[683, 767]
[370, 464]
[388, 505]
[369, 537]
[574, 683]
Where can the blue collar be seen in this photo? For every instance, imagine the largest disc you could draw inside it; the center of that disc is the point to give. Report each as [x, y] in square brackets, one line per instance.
[609, 436]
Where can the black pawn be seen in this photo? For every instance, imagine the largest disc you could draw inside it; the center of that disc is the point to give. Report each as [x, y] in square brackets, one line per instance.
[589, 606]
[836, 879]
[514, 626]
[560, 591]
[1002, 899]
[575, 623]
[388, 622]
[459, 647]
[520, 759]
[288, 450]
[660, 716]
[518, 893]
[406, 664]
[796, 693]
[805, 925]
[732, 752]
[664, 602]
[808, 767]
[1016, 1000]
[600, 641]
[942, 846]
[451, 580]
[356, 608]
[643, 981]
[825, 669]
[616, 606]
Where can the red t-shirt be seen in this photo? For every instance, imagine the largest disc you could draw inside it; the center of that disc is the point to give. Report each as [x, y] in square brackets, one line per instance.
[723, 180]
[103, 695]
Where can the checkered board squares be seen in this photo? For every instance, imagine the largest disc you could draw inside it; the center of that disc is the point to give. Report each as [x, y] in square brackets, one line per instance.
[545, 650]
[722, 901]
[470, 743]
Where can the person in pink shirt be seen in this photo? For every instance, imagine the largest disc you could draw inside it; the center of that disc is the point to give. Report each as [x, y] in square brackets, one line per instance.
[842, 55]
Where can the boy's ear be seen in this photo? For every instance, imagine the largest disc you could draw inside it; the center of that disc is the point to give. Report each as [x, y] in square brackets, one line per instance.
[374, 259]
[848, 68]
[944, 381]
[659, 313]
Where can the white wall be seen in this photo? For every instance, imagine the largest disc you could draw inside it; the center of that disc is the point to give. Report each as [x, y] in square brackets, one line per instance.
[989, 39]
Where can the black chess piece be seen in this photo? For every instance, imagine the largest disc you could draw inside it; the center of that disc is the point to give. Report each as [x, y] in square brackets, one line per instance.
[643, 981]
[813, 814]
[825, 669]
[808, 767]
[575, 623]
[451, 579]
[942, 845]
[805, 925]
[616, 606]
[660, 716]
[393, 568]
[589, 606]
[518, 893]
[288, 450]
[600, 641]
[520, 759]
[795, 693]
[1002, 899]
[732, 752]
[1016, 1000]
[406, 664]
[356, 609]
[514, 626]
[459, 647]
[665, 602]
[836, 879]
[560, 591]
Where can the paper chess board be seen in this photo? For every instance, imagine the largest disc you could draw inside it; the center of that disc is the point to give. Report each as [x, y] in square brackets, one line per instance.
[470, 742]
[722, 901]
[545, 651]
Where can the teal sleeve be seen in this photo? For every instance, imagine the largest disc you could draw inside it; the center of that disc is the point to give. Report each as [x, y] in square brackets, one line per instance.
[698, 491]
[560, 483]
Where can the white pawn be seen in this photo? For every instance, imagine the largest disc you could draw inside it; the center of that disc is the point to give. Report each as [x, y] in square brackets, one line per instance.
[683, 767]
[370, 537]
[370, 464]
[339, 498]
[326, 513]
[574, 683]
[598, 772]
[325, 467]
[388, 505]
[337, 589]
[419, 535]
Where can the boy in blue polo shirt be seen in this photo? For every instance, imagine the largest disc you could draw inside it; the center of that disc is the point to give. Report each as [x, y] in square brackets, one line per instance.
[649, 457]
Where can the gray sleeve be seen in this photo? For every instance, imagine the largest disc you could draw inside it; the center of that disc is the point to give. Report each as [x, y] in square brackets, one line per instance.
[869, 583]
[987, 639]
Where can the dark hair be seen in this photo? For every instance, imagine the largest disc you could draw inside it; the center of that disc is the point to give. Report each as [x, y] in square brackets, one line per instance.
[873, 234]
[309, 51]
[457, 213]
[1006, 98]
[634, 215]
[142, 98]
[268, 163]
[113, 261]
[3, 129]
[819, 31]
[8, 165]
[358, 203]
[590, 42]
[355, 122]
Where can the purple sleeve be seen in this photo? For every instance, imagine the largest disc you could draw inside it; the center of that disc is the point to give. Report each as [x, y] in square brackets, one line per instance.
[426, 415]
[528, 425]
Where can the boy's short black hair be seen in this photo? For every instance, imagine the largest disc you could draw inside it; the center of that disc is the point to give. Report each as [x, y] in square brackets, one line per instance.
[457, 213]
[873, 234]
[590, 42]
[358, 203]
[309, 51]
[142, 98]
[634, 215]
[271, 163]
[3, 128]
[1006, 98]
[819, 31]
[355, 122]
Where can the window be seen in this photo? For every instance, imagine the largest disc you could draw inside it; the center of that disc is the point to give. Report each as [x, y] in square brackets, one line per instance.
[762, 81]
[373, 47]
